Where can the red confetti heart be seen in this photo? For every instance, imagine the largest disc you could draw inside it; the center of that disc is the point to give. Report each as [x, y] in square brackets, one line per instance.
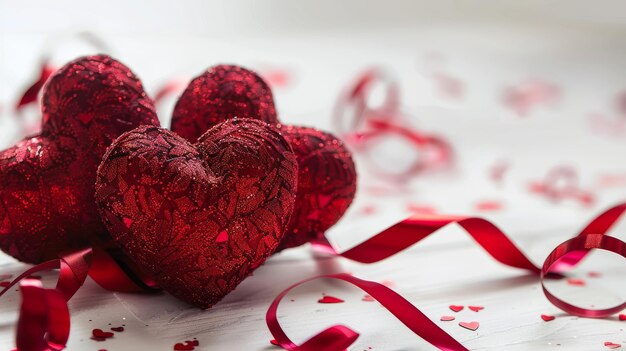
[470, 325]
[326, 172]
[118, 329]
[547, 317]
[274, 342]
[240, 177]
[476, 308]
[447, 318]
[99, 334]
[622, 317]
[5, 284]
[85, 106]
[330, 299]
[456, 308]
[576, 282]
[368, 298]
[612, 345]
[593, 274]
[183, 347]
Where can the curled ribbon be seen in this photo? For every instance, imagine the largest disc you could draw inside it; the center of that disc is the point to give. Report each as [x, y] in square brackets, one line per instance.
[493, 240]
[44, 319]
[360, 124]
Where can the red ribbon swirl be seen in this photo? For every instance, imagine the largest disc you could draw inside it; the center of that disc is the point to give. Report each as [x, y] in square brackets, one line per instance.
[419, 226]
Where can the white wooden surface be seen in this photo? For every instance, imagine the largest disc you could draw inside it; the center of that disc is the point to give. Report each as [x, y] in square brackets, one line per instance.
[581, 50]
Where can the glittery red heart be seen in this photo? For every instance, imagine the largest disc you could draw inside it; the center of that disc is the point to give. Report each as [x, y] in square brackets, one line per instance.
[327, 176]
[198, 218]
[47, 181]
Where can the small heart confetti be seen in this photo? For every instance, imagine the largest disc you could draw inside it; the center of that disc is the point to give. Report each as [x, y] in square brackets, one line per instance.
[100, 335]
[576, 282]
[547, 317]
[4, 284]
[612, 345]
[476, 308]
[447, 318]
[118, 329]
[189, 345]
[622, 317]
[469, 325]
[274, 342]
[330, 299]
[368, 298]
[593, 274]
[456, 308]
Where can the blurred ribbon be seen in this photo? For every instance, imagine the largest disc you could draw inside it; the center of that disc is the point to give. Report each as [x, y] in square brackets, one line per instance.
[361, 124]
[495, 242]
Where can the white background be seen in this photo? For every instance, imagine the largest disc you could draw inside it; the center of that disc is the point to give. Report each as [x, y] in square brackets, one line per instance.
[488, 46]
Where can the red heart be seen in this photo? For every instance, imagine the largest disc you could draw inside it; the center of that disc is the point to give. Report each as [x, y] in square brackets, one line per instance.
[99, 334]
[469, 325]
[476, 308]
[327, 176]
[167, 202]
[622, 317]
[547, 318]
[447, 318]
[118, 329]
[612, 345]
[456, 308]
[47, 181]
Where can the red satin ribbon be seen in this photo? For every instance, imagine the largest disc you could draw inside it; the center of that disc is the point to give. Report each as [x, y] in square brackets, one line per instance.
[44, 322]
[360, 124]
[30, 94]
[419, 226]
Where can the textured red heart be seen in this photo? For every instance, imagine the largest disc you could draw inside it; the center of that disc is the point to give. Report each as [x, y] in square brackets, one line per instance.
[456, 308]
[469, 325]
[198, 218]
[547, 317]
[47, 181]
[327, 176]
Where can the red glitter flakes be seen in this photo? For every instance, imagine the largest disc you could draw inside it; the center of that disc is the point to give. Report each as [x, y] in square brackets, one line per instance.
[526, 96]
[100, 335]
[576, 282]
[612, 345]
[488, 205]
[188, 345]
[330, 299]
